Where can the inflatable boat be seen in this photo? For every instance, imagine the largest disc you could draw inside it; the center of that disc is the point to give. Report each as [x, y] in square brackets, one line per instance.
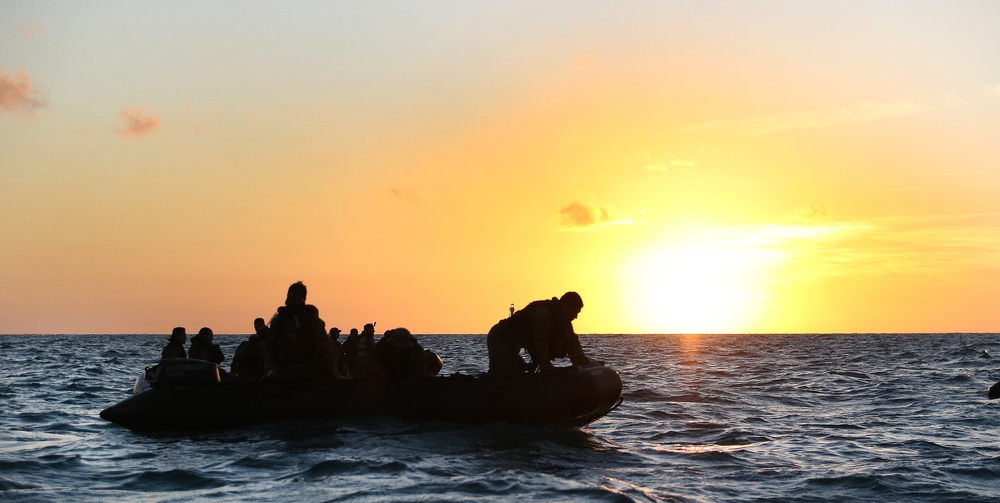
[189, 395]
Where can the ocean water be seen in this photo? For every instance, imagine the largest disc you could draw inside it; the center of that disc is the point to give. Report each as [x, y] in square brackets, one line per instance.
[858, 417]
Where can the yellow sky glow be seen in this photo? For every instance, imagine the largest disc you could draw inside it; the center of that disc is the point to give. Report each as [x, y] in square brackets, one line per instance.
[712, 167]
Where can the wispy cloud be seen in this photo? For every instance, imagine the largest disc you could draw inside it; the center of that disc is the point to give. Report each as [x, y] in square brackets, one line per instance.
[579, 215]
[865, 111]
[405, 195]
[811, 212]
[137, 123]
[18, 94]
[30, 30]
[664, 165]
[938, 247]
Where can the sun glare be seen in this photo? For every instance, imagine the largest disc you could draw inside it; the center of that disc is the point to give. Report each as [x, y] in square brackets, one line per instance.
[700, 287]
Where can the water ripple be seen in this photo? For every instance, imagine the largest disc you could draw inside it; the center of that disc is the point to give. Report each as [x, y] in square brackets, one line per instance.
[890, 417]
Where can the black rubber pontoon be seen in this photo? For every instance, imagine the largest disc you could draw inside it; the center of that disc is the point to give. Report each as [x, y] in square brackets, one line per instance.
[570, 397]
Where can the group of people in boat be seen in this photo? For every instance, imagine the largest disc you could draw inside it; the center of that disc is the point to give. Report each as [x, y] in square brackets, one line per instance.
[202, 347]
[295, 345]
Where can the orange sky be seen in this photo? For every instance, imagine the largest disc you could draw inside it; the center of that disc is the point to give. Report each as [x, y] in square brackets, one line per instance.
[685, 166]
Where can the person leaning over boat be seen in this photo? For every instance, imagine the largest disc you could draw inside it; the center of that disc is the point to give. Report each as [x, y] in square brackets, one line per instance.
[202, 347]
[544, 328]
[175, 347]
[250, 358]
[298, 345]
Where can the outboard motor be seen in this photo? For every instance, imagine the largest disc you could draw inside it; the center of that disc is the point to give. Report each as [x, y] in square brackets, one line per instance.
[178, 372]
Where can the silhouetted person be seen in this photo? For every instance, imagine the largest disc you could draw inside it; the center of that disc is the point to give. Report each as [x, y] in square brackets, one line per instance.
[250, 359]
[349, 348]
[175, 347]
[341, 358]
[299, 346]
[360, 352]
[202, 347]
[544, 328]
[335, 338]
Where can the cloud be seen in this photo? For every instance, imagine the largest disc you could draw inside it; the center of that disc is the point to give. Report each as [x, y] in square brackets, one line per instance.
[405, 195]
[579, 215]
[944, 246]
[664, 166]
[865, 111]
[811, 212]
[30, 30]
[137, 123]
[18, 94]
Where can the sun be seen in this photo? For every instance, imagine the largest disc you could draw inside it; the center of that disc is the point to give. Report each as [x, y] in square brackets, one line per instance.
[695, 287]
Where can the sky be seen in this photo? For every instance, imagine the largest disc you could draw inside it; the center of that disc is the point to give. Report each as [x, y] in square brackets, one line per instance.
[687, 167]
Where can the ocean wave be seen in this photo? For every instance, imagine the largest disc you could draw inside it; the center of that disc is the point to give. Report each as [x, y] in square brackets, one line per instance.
[745, 418]
[332, 468]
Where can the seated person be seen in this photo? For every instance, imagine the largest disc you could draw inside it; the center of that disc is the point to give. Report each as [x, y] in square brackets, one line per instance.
[175, 347]
[202, 347]
[298, 344]
[339, 350]
[250, 359]
[359, 350]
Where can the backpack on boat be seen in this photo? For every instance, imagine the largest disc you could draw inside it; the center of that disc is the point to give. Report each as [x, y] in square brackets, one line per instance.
[402, 356]
[292, 335]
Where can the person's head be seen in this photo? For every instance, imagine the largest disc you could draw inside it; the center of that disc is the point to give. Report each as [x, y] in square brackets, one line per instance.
[369, 329]
[572, 303]
[354, 331]
[259, 325]
[296, 294]
[178, 335]
[205, 334]
[334, 332]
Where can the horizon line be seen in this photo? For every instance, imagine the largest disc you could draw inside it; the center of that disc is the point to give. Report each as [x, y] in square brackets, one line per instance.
[584, 334]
